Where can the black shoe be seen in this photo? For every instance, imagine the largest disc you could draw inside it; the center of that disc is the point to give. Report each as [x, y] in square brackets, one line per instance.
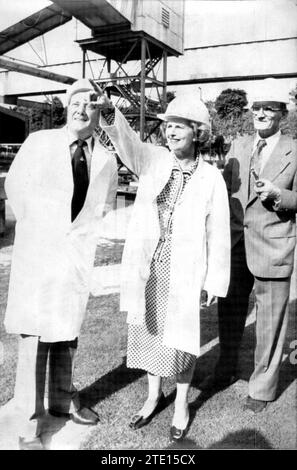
[59, 414]
[176, 434]
[30, 444]
[139, 421]
[216, 383]
[85, 416]
[256, 406]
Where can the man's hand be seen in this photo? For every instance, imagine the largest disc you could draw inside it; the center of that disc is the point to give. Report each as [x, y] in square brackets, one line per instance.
[266, 190]
[207, 299]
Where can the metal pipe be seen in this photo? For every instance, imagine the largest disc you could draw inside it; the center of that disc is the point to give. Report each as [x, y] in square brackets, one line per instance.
[17, 67]
[237, 78]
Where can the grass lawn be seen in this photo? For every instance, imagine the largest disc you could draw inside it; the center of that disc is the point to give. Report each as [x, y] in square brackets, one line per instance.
[117, 392]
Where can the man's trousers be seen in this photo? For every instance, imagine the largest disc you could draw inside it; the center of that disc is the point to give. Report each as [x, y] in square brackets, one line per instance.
[272, 297]
[31, 377]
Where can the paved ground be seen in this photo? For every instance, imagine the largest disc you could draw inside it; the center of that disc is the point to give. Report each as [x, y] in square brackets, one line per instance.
[58, 434]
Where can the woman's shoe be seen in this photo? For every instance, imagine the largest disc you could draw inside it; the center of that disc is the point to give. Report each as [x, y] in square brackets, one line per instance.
[176, 434]
[139, 421]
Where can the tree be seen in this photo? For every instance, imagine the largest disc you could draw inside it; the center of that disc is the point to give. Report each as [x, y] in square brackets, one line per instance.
[232, 124]
[229, 116]
[288, 125]
[231, 103]
[39, 117]
[58, 112]
[293, 95]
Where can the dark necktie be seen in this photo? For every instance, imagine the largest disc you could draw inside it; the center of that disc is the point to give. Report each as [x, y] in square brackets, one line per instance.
[80, 179]
[255, 163]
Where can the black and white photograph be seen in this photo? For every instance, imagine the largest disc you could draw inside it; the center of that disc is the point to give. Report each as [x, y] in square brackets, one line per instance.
[148, 200]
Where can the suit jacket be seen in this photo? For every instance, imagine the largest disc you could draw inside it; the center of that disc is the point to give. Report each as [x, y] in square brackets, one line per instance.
[53, 257]
[269, 235]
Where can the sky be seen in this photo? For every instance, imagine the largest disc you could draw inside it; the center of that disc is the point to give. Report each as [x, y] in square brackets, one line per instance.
[206, 23]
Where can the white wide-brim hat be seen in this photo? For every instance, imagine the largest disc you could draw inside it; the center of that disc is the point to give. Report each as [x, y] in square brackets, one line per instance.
[189, 107]
[270, 89]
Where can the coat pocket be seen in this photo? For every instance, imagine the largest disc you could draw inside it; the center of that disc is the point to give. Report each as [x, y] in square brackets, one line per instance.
[282, 231]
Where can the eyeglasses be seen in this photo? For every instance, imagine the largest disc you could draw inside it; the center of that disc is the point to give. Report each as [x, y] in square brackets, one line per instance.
[266, 109]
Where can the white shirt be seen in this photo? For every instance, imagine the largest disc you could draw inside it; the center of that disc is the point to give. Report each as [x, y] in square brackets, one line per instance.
[271, 143]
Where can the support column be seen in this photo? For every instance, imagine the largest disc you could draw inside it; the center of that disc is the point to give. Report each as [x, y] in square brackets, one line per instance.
[84, 64]
[142, 88]
[164, 79]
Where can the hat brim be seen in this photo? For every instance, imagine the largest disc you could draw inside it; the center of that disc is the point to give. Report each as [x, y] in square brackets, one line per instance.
[170, 117]
[80, 90]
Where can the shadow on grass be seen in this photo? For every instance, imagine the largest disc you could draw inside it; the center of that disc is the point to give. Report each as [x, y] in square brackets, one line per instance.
[244, 439]
[205, 364]
[109, 383]
[121, 376]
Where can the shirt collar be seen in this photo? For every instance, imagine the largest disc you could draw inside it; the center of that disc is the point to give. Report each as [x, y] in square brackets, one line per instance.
[190, 170]
[72, 138]
[273, 139]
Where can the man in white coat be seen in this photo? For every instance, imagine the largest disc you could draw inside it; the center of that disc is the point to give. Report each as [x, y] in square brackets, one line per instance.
[60, 185]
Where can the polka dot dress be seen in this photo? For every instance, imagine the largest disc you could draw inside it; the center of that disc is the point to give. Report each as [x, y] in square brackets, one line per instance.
[145, 348]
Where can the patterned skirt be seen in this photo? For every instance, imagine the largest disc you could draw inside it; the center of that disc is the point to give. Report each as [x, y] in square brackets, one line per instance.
[145, 348]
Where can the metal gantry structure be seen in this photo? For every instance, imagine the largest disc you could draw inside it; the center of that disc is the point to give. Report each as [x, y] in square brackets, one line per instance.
[133, 93]
[132, 32]
[124, 33]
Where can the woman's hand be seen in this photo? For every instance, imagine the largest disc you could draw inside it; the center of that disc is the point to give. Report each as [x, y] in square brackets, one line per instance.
[206, 299]
[104, 103]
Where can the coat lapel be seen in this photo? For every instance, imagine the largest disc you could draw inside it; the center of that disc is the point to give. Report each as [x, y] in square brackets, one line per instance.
[244, 170]
[99, 159]
[64, 159]
[279, 160]
[162, 172]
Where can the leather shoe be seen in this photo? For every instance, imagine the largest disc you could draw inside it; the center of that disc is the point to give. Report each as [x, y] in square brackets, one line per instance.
[176, 434]
[85, 416]
[30, 444]
[254, 405]
[216, 383]
[82, 416]
[139, 421]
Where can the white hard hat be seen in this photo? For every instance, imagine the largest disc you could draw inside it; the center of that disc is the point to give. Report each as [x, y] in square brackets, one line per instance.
[270, 90]
[81, 85]
[189, 107]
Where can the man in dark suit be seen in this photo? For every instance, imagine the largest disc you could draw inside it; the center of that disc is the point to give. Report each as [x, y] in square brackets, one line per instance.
[261, 176]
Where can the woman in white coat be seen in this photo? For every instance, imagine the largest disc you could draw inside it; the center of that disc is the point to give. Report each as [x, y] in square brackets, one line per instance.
[177, 245]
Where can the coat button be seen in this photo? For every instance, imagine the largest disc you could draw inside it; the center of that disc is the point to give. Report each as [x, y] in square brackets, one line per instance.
[245, 225]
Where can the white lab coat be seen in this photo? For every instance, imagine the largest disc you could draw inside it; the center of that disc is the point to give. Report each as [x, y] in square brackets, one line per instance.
[53, 258]
[200, 256]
